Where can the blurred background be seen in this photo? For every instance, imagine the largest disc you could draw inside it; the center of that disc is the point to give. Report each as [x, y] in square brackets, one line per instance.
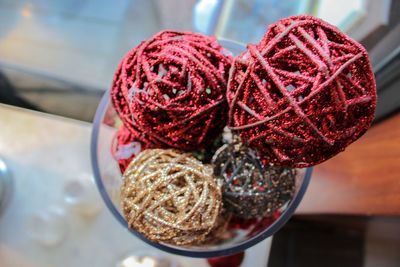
[59, 57]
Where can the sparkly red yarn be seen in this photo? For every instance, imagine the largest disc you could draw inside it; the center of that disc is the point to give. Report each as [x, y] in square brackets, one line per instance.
[234, 260]
[126, 145]
[171, 88]
[303, 94]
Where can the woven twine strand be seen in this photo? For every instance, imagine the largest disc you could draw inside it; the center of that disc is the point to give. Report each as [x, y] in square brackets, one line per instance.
[135, 80]
[319, 56]
[170, 197]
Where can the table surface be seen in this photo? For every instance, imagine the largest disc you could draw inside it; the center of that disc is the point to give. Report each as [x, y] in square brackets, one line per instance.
[362, 180]
[44, 152]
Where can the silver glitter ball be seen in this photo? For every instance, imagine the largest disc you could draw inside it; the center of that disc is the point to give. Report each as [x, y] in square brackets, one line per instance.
[251, 190]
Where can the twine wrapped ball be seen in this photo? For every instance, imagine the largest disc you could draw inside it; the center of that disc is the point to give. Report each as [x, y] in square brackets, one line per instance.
[172, 88]
[249, 189]
[303, 94]
[170, 197]
[126, 145]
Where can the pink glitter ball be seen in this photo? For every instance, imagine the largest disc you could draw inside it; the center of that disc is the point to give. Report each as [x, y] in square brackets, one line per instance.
[303, 94]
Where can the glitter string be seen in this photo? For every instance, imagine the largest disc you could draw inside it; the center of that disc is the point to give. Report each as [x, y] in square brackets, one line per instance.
[302, 94]
[249, 189]
[171, 88]
[170, 197]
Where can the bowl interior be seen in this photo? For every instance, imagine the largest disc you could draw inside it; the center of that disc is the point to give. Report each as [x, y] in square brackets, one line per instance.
[109, 179]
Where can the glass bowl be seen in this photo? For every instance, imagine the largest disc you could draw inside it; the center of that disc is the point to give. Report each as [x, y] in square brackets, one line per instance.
[109, 179]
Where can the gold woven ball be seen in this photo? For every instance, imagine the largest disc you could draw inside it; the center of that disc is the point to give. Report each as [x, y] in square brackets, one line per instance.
[170, 197]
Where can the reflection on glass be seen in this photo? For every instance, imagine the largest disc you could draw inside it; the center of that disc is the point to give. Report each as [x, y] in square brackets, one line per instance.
[47, 227]
[82, 197]
[246, 21]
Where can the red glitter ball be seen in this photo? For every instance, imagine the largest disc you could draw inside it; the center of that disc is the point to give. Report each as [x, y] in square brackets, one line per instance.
[234, 260]
[171, 88]
[126, 145]
[303, 94]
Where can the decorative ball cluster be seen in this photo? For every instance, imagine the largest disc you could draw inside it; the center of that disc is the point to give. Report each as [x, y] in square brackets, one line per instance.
[171, 89]
[251, 190]
[303, 94]
[295, 99]
[170, 197]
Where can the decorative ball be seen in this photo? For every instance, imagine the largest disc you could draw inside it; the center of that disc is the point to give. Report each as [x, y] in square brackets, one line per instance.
[170, 197]
[172, 88]
[303, 94]
[234, 260]
[249, 189]
[126, 145]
